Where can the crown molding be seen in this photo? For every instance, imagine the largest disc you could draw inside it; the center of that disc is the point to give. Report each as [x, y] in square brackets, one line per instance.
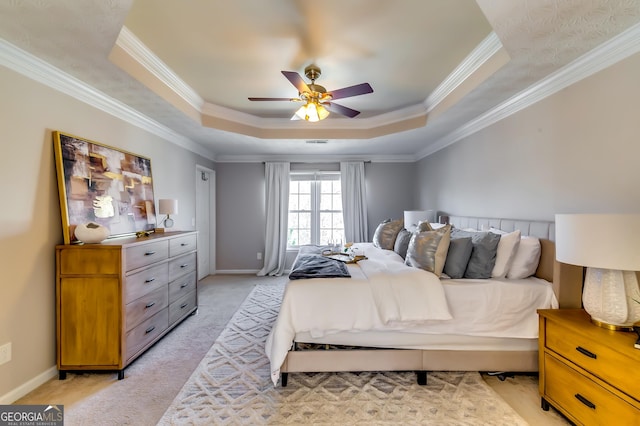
[618, 48]
[314, 158]
[139, 52]
[145, 57]
[36, 69]
[481, 54]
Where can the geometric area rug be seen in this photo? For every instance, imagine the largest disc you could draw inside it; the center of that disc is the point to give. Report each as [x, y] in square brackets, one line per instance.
[232, 386]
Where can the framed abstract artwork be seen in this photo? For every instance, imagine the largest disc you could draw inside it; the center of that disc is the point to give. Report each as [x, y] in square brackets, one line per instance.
[104, 185]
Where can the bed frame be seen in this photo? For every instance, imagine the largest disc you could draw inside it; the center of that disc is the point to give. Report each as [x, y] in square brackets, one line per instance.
[567, 285]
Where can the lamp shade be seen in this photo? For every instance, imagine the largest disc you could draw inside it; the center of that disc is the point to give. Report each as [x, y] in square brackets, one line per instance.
[608, 241]
[609, 246]
[168, 206]
[413, 217]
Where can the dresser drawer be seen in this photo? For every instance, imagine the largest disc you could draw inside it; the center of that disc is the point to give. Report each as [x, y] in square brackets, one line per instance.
[146, 332]
[146, 254]
[181, 266]
[182, 307]
[150, 279]
[182, 286]
[181, 245]
[585, 400]
[595, 356]
[145, 307]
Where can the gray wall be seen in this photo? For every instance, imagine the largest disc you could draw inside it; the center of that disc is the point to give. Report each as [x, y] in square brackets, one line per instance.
[240, 216]
[574, 152]
[390, 191]
[241, 206]
[32, 226]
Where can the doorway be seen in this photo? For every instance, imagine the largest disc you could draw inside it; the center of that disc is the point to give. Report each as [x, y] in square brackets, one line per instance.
[206, 220]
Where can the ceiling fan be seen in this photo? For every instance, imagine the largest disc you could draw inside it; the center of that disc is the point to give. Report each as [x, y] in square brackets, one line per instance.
[318, 102]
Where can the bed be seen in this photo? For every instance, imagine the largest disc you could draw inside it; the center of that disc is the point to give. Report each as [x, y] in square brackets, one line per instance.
[416, 321]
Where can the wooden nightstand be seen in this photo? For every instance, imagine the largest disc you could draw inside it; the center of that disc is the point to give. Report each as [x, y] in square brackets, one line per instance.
[590, 374]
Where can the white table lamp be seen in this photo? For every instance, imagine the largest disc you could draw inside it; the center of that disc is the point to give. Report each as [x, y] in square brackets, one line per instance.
[413, 217]
[609, 246]
[168, 207]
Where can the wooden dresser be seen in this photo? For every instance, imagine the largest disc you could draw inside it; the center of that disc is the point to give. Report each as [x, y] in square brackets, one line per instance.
[117, 298]
[588, 373]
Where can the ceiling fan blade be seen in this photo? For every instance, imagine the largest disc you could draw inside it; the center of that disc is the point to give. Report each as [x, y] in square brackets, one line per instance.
[297, 81]
[340, 109]
[358, 89]
[273, 99]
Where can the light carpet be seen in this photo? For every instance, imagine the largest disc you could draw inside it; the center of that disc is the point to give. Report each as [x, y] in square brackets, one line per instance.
[232, 386]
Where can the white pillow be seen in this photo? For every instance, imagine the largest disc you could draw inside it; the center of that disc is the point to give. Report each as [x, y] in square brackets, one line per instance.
[507, 248]
[526, 260]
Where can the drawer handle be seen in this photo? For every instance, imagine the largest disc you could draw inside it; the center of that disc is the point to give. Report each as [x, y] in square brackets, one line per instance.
[184, 244]
[150, 329]
[150, 304]
[184, 265]
[585, 401]
[150, 280]
[184, 285]
[150, 253]
[184, 305]
[583, 351]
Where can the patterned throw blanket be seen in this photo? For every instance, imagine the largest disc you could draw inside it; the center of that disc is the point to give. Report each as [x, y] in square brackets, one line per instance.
[310, 265]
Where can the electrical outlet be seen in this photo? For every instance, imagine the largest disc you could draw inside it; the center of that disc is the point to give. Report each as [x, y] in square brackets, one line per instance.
[5, 353]
[259, 256]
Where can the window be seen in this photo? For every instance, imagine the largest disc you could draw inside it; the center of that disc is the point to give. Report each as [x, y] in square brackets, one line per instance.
[315, 209]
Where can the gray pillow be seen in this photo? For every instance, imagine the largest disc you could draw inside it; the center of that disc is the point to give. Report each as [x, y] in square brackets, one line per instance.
[421, 252]
[386, 233]
[458, 256]
[483, 253]
[402, 243]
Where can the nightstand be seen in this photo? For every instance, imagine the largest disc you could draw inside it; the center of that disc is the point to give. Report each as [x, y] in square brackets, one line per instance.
[590, 374]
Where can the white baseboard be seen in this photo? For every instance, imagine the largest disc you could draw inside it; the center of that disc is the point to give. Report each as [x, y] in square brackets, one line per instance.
[242, 271]
[25, 388]
[236, 271]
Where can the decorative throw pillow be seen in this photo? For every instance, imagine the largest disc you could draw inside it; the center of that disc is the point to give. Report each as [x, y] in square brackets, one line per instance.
[423, 226]
[526, 260]
[422, 249]
[428, 250]
[458, 257]
[483, 253]
[386, 233]
[402, 242]
[507, 248]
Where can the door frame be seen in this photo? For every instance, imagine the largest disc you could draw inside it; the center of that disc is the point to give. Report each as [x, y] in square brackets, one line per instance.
[212, 213]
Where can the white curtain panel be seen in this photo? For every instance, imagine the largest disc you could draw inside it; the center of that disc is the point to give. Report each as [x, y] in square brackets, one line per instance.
[277, 199]
[354, 201]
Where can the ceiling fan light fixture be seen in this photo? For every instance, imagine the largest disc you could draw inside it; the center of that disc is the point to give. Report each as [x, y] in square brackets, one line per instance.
[312, 112]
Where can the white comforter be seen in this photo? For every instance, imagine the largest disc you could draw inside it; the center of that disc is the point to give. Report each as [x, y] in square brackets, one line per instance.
[382, 293]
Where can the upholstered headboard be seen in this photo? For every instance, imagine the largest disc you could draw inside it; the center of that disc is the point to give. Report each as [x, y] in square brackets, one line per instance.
[567, 279]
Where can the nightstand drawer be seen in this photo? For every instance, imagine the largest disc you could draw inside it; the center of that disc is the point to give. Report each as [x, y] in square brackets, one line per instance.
[594, 355]
[582, 398]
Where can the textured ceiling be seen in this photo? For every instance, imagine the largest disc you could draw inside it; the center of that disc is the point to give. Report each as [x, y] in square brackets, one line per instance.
[223, 52]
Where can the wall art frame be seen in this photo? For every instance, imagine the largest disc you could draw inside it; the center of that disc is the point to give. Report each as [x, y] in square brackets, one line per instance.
[104, 185]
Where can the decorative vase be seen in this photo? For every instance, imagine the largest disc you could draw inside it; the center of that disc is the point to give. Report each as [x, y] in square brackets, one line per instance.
[91, 232]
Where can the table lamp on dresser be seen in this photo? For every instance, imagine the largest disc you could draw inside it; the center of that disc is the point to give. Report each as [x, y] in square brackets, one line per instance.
[608, 245]
[168, 207]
